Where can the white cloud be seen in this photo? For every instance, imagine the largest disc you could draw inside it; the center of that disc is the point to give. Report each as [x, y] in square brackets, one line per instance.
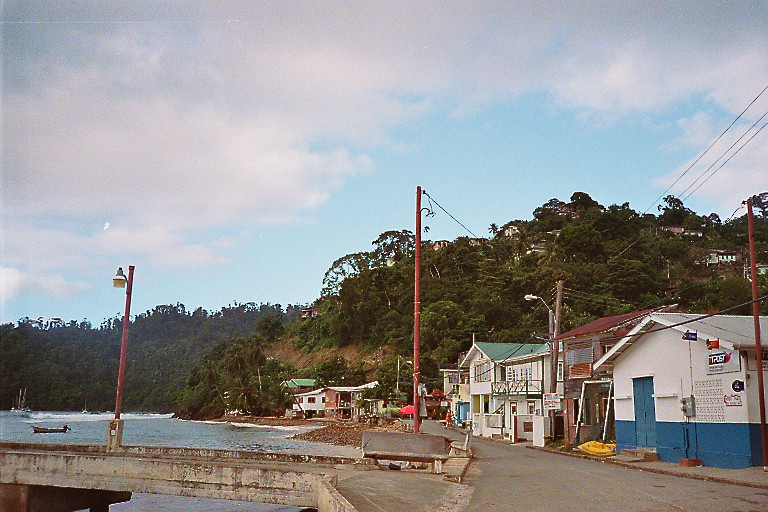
[14, 282]
[174, 127]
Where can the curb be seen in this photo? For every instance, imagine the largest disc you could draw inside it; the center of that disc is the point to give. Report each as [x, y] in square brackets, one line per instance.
[609, 460]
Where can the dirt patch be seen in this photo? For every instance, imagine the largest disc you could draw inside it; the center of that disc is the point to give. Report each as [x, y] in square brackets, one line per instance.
[347, 433]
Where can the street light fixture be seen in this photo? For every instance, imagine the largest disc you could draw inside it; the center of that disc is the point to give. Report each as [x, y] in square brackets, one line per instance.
[530, 297]
[115, 436]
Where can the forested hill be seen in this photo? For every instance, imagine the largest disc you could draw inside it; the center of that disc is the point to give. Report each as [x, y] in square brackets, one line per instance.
[68, 366]
[612, 260]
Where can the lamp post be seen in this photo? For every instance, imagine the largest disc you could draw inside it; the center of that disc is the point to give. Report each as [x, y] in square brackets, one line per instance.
[554, 346]
[551, 313]
[115, 436]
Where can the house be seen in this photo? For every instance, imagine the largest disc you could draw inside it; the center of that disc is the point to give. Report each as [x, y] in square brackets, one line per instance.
[296, 386]
[310, 312]
[680, 230]
[345, 401]
[309, 404]
[581, 348]
[686, 386]
[456, 389]
[332, 402]
[506, 386]
[722, 256]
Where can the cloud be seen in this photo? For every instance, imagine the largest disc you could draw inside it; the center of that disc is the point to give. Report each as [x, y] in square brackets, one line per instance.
[14, 282]
[173, 119]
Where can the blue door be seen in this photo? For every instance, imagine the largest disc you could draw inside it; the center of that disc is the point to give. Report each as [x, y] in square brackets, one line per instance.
[645, 412]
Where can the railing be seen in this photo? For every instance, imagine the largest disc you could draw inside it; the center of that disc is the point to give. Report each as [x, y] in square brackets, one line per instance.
[517, 387]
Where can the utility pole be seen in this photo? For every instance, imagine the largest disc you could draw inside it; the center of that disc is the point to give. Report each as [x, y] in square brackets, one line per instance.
[554, 349]
[417, 314]
[758, 344]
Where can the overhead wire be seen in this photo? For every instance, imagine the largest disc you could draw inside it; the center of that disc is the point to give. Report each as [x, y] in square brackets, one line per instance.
[729, 158]
[698, 159]
[708, 148]
[432, 200]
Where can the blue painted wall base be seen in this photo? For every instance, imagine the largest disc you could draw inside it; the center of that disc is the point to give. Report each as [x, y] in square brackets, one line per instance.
[719, 445]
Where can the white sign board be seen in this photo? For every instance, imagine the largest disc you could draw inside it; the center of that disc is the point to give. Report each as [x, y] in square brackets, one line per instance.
[723, 361]
[551, 402]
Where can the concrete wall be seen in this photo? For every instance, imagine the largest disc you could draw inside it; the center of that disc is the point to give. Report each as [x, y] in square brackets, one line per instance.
[192, 473]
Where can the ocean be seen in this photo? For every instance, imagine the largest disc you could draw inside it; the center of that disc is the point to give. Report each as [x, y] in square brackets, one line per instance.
[164, 430]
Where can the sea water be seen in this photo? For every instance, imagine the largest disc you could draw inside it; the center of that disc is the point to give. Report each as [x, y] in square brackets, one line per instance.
[164, 430]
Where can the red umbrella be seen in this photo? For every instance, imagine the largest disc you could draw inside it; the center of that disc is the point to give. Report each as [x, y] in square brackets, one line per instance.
[408, 409]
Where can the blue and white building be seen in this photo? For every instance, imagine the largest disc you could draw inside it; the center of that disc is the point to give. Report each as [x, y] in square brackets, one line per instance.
[689, 390]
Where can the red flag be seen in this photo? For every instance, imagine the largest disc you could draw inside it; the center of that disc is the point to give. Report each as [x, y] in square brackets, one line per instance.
[713, 344]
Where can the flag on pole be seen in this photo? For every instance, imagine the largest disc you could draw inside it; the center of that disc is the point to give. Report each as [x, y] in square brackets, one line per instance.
[690, 336]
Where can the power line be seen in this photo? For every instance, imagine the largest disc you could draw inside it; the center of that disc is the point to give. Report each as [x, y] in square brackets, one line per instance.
[432, 200]
[729, 158]
[707, 150]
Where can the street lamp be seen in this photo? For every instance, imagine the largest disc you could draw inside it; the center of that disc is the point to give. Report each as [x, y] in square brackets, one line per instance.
[530, 297]
[115, 436]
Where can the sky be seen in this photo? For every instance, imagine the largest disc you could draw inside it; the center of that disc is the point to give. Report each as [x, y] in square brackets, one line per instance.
[232, 151]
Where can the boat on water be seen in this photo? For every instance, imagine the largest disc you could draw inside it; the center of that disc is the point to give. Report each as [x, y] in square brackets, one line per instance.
[21, 403]
[48, 430]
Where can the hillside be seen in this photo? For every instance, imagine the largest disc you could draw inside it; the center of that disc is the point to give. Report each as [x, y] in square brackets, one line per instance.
[612, 260]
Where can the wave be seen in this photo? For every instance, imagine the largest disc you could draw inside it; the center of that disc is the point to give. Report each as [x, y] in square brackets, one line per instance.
[51, 416]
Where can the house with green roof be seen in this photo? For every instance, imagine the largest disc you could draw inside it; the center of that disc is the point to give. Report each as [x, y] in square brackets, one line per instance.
[296, 386]
[507, 382]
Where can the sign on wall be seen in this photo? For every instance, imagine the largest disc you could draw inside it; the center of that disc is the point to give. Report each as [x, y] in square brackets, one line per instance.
[722, 360]
[551, 402]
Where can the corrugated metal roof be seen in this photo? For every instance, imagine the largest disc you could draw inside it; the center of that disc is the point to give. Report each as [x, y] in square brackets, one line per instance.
[300, 383]
[503, 351]
[605, 324]
[738, 329]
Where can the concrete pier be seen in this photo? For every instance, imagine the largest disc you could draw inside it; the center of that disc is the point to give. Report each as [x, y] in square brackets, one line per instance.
[62, 478]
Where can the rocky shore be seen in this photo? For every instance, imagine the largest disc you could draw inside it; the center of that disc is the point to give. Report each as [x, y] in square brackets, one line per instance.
[329, 431]
[347, 433]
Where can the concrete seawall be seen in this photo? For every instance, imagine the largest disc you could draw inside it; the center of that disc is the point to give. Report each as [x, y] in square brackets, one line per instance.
[29, 472]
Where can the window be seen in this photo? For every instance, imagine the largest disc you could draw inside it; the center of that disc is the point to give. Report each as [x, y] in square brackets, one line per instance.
[300, 400]
[531, 407]
[311, 400]
[482, 372]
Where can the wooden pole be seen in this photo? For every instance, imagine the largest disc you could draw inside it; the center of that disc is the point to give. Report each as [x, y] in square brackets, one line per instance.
[758, 344]
[417, 315]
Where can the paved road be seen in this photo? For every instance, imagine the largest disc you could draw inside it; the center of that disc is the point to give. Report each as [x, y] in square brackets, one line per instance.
[512, 477]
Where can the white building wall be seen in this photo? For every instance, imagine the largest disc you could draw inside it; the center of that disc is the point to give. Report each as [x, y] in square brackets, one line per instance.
[679, 369]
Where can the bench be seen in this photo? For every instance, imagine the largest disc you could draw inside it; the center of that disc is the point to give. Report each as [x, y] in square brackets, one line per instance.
[407, 447]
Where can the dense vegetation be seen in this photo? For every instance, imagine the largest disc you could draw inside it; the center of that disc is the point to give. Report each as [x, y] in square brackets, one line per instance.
[68, 366]
[612, 260]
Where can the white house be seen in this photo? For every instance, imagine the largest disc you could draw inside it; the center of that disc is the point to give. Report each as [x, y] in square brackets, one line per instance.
[686, 386]
[506, 386]
[311, 403]
[333, 402]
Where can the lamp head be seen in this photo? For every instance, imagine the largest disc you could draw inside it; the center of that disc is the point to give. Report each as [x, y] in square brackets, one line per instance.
[119, 280]
[531, 297]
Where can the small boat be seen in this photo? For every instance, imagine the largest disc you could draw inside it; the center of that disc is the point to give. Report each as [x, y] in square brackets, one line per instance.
[597, 448]
[47, 430]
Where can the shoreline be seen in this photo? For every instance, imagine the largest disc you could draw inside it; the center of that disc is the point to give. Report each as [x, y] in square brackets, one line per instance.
[331, 431]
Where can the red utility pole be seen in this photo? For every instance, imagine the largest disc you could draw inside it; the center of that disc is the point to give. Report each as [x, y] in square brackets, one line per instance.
[417, 314]
[758, 345]
[124, 344]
